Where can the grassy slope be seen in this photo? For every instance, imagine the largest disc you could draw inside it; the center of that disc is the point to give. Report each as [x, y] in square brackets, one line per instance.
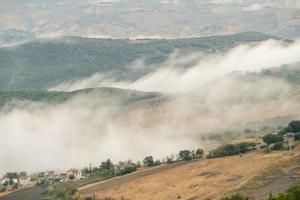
[43, 63]
[203, 179]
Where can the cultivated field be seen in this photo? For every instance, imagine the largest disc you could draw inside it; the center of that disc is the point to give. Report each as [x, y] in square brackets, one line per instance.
[211, 178]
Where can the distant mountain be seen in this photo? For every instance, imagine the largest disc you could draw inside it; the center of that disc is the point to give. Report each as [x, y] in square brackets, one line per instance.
[47, 62]
[14, 37]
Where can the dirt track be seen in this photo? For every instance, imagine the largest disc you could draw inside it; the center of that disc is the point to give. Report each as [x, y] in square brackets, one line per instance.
[90, 189]
[33, 193]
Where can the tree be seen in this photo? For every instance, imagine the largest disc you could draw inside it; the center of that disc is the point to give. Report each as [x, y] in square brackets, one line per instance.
[272, 138]
[148, 161]
[107, 165]
[185, 155]
[107, 169]
[199, 153]
[294, 126]
[71, 177]
[12, 175]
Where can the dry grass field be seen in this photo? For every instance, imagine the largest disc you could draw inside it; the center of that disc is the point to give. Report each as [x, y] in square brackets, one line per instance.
[204, 179]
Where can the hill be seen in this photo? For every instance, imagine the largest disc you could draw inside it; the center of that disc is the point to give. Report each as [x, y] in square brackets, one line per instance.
[125, 97]
[47, 62]
[207, 179]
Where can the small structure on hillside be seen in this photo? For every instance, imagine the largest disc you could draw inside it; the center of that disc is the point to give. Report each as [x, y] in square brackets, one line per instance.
[25, 181]
[289, 139]
[76, 173]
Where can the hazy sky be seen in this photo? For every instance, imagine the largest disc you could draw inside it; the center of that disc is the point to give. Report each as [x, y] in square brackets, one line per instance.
[150, 18]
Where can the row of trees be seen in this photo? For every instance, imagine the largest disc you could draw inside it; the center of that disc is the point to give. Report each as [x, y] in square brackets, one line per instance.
[108, 170]
[232, 149]
[183, 155]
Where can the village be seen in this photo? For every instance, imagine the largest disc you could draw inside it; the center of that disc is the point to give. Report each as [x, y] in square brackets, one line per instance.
[12, 181]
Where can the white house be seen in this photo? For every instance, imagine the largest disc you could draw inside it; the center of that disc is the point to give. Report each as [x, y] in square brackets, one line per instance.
[76, 173]
[25, 181]
[289, 138]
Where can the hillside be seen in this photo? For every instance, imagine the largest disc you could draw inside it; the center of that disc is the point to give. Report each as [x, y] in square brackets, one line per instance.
[47, 62]
[203, 179]
[124, 97]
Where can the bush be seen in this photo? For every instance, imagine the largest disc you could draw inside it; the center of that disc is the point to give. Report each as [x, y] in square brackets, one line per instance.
[61, 193]
[292, 194]
[278, 146]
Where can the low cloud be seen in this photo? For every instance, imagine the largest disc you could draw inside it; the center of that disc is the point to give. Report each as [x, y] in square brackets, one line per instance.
[207, 97]
[172, 79]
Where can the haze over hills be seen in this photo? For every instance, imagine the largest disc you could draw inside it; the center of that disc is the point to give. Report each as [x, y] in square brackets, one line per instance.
[138, 19]
[201, 98]
[202, 93]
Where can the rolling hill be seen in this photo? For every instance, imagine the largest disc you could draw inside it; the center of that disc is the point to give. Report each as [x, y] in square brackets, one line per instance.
[47, 62]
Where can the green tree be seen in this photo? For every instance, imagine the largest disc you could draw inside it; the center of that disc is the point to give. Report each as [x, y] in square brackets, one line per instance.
[272, 138]
[148, 161]
[185, 155]
[199, 153]
[107, 165]
[12, 175]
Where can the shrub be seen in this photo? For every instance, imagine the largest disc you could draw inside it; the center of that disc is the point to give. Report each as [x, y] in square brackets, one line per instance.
[236, 197]
[278, 146]
[291, 194]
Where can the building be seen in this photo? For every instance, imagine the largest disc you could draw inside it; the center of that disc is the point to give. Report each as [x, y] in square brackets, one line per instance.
[25, 181]
[63, 177]
[289, 138]
[76, 173]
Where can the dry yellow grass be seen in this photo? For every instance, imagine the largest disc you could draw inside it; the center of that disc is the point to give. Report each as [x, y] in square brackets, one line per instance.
[199, 180]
